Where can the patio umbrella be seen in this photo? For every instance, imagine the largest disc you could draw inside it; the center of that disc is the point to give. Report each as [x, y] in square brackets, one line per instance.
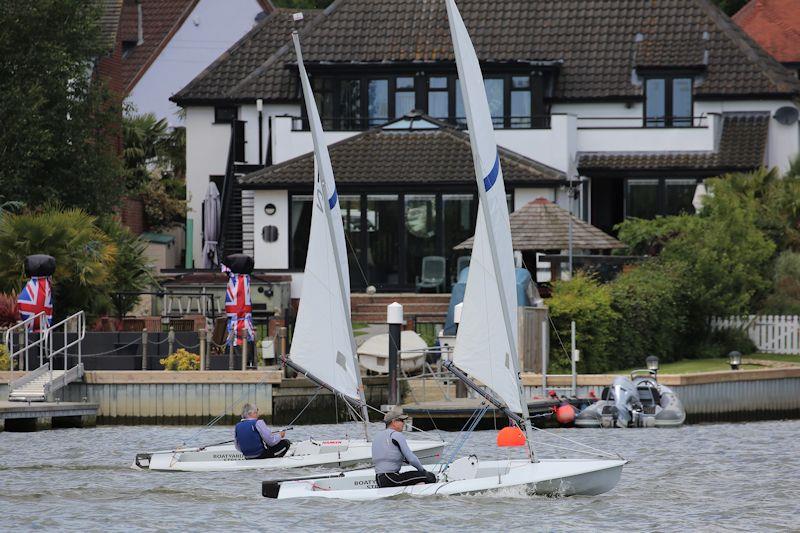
[211, 210]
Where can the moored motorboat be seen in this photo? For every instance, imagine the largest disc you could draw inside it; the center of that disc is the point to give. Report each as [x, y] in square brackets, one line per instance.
[638, 401]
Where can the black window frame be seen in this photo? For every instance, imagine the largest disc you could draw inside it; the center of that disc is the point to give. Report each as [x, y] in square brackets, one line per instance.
[539, 108]
[669, 119]
[661, 191]
[220, 118]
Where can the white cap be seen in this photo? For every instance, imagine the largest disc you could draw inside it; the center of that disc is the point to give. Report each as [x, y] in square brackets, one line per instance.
[457, 313]
[394, 313]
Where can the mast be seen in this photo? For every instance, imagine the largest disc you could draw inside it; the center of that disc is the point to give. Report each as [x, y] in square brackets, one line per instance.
[332, 198]
[452, 12]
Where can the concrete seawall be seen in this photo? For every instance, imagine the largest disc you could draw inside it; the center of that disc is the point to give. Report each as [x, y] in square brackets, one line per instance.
[194, 398]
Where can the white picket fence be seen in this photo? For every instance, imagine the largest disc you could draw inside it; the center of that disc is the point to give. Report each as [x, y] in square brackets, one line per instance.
[770, 333]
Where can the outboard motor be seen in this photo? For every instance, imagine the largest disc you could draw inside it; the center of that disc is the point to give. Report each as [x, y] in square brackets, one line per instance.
[622, 398]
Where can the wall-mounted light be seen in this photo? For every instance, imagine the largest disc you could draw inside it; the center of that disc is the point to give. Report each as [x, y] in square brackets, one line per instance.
[270, 209]
[735, 360]
[269, 233]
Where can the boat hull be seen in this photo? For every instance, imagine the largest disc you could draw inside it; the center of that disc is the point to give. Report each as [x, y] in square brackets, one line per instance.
[555, 477]
[327, 453]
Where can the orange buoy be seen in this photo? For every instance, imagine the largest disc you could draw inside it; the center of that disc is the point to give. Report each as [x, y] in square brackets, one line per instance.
[565, 414]
[510, 436]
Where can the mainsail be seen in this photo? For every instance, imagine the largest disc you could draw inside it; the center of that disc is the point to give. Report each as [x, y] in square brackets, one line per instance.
[486, 345]
[323, 341]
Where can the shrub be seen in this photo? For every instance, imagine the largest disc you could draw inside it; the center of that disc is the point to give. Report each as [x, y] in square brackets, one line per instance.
[131, 271]
[587, 302]
[648, 237]
[84, 255]
[720, 343]
[181, 360]
[652, 314]
[785, 296]
[5, 359]
[9, 314]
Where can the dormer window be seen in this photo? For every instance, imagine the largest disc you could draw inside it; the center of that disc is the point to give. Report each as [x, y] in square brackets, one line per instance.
[668, 101]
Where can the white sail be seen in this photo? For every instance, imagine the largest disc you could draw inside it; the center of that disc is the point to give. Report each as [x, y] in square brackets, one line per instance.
[487, 335]
[322, 342]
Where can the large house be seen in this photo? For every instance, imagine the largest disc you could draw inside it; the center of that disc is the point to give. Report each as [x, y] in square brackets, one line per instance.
[775, 25]
[610, 109]
[161, 45]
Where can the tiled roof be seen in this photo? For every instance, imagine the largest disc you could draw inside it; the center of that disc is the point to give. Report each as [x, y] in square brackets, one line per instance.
[542, 225]
[742, 146]
[430, 153]
[160, 19]
[775, 25]
[597, 42]
[110, 11]
[247, 55]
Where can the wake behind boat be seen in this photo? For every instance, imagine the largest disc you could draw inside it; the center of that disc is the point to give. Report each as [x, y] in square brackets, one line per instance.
[486, 345]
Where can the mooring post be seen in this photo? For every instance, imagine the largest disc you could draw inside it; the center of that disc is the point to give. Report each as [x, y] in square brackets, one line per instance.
[202, 340]
[461, 389]
[144, 349]
[394, 317]
[245, 348]
[171, 341]
[280, 341]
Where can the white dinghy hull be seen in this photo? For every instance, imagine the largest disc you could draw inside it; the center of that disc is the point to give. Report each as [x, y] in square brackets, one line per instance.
[552, 477]
[307, 453]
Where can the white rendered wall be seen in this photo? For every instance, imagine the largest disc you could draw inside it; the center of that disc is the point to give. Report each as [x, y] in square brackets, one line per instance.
[211, 28]
[206, 156]
[524, 195]
[271, 254]
[288, 144]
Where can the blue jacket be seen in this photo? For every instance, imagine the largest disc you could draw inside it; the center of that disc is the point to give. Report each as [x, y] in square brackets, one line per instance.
[248, 439]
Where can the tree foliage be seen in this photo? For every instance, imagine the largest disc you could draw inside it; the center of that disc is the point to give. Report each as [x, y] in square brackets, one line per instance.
[58, 136]
[84, 256]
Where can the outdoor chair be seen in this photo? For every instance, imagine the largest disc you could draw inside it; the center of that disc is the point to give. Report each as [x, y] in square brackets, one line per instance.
[461, 263]
[433, 273]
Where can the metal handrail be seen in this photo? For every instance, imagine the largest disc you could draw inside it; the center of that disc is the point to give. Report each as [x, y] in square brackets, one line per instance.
[22, 329]
[79, 319]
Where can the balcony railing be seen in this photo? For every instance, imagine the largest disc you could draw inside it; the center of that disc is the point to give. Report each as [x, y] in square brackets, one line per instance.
[365, 123]
[622, 122]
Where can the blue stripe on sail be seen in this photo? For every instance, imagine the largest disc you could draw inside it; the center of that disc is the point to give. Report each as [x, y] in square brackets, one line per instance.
[332, 199]
[488, 181]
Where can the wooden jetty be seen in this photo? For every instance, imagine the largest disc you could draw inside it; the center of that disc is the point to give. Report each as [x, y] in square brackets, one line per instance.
[33, 416]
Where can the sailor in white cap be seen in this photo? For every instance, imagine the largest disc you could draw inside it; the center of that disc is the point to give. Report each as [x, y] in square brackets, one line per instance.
[390, 450]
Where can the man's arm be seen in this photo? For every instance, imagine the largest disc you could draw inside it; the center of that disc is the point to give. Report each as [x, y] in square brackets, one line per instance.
[269, 438]
[412, 459]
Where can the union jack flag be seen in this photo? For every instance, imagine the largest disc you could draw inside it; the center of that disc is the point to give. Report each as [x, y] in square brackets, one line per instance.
[36, 298]
[239, 308]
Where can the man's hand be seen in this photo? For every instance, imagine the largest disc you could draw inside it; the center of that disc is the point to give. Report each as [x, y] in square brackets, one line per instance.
[283, 434]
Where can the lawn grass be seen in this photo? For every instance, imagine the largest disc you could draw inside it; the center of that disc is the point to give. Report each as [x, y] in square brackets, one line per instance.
[358, 327]
[691, 366]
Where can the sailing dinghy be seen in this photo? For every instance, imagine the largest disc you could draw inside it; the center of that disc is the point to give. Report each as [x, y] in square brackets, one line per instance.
[486, 344]
[323, 347]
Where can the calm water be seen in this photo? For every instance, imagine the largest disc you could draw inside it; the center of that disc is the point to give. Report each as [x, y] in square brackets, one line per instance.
[706, 477]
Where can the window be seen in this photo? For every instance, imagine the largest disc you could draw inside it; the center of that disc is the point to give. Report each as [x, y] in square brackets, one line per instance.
[651, 197]
[323, 93]
[301, 207]
[520, 116]
[225, 114]
[378, 102]
[349, 104]
[668, 102]
[438, 97]
[495, 95]
[404, 96]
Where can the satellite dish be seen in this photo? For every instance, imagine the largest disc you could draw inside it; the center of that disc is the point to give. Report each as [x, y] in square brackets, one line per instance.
[786, 115]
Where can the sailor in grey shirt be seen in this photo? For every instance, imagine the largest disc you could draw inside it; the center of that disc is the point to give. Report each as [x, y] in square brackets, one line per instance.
[390, 450]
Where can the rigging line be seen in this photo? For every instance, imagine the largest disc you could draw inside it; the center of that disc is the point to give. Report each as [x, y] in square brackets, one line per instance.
[355, 258]
[573, 442]
[473, 425]
[578, 450]
[412, 426]
[563, 348]
[319, 388]
[427, 411]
